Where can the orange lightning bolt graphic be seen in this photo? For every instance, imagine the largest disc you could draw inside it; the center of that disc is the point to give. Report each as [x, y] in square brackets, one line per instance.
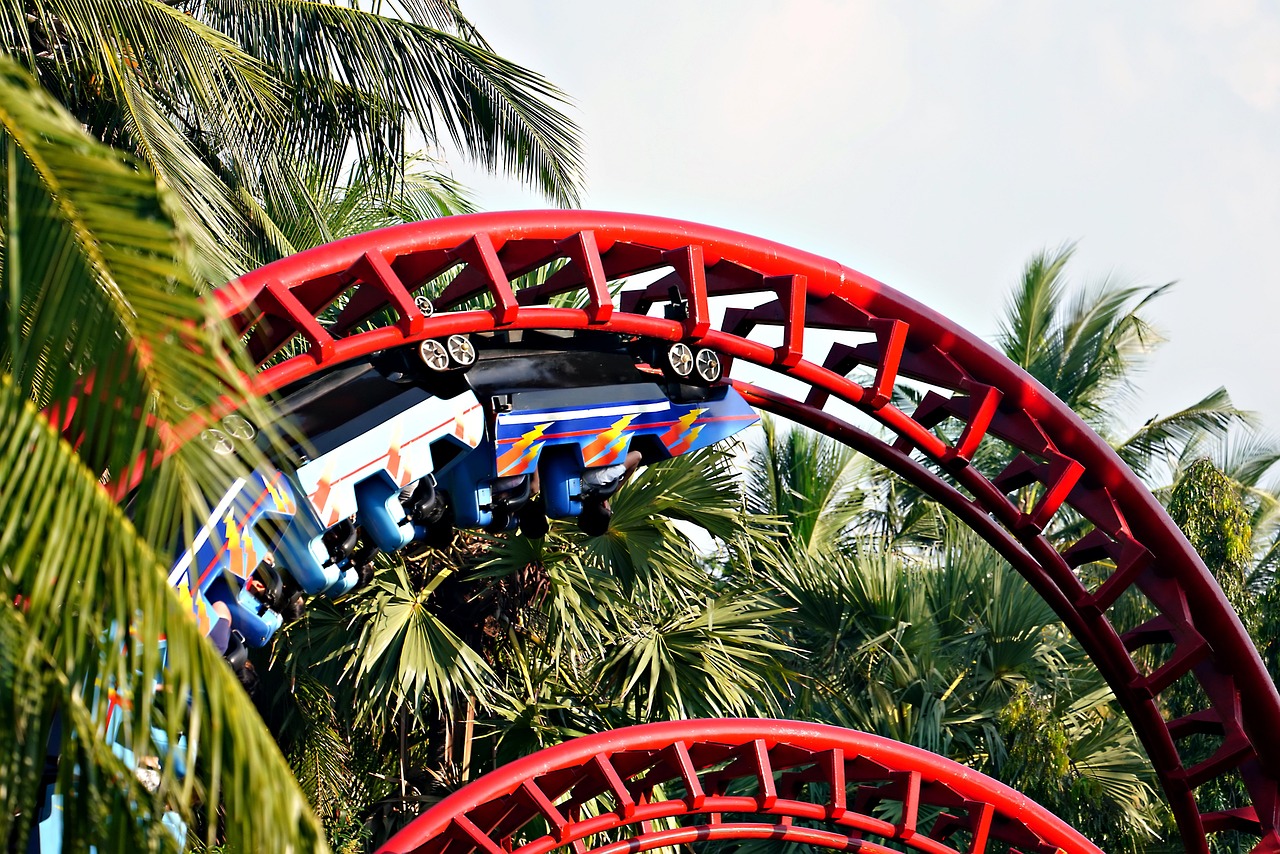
[184, 594]
[600, 445]
[513, 456]
[673, 435]
[240, 551]
[278, 497]
[686, 442]
[393, 459]
[232, 533]
[320, 498]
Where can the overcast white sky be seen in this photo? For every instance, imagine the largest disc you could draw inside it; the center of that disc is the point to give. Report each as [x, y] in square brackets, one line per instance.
[937, 146]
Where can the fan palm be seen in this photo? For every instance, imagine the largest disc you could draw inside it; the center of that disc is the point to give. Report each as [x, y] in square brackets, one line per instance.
[933, 648]
[103, 333]
[928, 638]
[538, 640]
[240, 107]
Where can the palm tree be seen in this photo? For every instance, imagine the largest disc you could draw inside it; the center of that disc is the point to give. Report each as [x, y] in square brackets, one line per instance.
[244, 107]
[317, 211]
[817, 485]
[951, 650]
[104, 333]
[1088, 348]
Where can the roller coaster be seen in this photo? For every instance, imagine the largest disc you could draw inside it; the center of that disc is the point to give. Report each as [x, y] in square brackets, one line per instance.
[431, 394]
[493, 431]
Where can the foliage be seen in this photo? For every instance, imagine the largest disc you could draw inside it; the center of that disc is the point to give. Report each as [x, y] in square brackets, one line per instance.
[316, 210]
[546, 639]
[1207, 507]
[815, 485]
[1088, 349]
[244, 107]
[1085, 771]
[103, 332]
[844, 597]
[932, 640]
[1082, 347]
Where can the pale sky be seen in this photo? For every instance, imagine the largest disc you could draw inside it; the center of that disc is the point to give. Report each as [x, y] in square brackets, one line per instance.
[937, 146]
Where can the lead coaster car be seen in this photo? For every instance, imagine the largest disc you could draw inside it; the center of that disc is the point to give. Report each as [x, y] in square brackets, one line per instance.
[563, 413]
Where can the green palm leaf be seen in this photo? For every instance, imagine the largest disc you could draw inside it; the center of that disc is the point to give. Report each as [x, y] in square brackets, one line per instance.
[1031, 312]
[1163, 439]
[812, 482]
[406, 657]
[676, 658]
[229, 102]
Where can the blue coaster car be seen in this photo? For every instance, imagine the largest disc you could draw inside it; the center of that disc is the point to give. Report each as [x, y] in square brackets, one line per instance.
[227, 551]
[569, 419]
[404, 446]
[484, 432]
[363, 441]
[580, 451]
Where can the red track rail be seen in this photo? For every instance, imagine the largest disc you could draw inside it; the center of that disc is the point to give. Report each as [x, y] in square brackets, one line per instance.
[978, 394]
[650, 786]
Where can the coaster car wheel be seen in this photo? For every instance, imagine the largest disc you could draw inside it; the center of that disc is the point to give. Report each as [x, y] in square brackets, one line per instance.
[218, 442]
[434, 355]
[462, 352]
[707, 365]
[447, 354]
[238, 427]
[678, 360]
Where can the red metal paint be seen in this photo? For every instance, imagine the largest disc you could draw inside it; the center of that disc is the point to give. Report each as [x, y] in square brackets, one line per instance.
[627, 764]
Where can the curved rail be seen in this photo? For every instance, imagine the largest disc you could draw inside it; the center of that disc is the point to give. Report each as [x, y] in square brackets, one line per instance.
[972, 398]
[661, 784]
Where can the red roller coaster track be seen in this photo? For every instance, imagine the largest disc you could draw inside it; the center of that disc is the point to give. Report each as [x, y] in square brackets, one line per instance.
[890, 339]
[663, 784]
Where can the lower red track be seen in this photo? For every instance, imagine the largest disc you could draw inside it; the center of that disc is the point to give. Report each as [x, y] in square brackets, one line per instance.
[975, 395]
[646, 787]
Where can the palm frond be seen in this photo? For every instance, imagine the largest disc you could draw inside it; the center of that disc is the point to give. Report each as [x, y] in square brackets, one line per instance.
[406, 657]
[811, 481]
[1083, 349]
[176, 53]
[449, 85]
[1030, 314]
[1161, 439]
[225, 248]
[646, 548]
[703, 658]
[100, 316]
[95, 601]
[312, 212]
[225, 100]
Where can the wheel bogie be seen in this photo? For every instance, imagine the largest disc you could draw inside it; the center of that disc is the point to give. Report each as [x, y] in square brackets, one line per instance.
[455, 352]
